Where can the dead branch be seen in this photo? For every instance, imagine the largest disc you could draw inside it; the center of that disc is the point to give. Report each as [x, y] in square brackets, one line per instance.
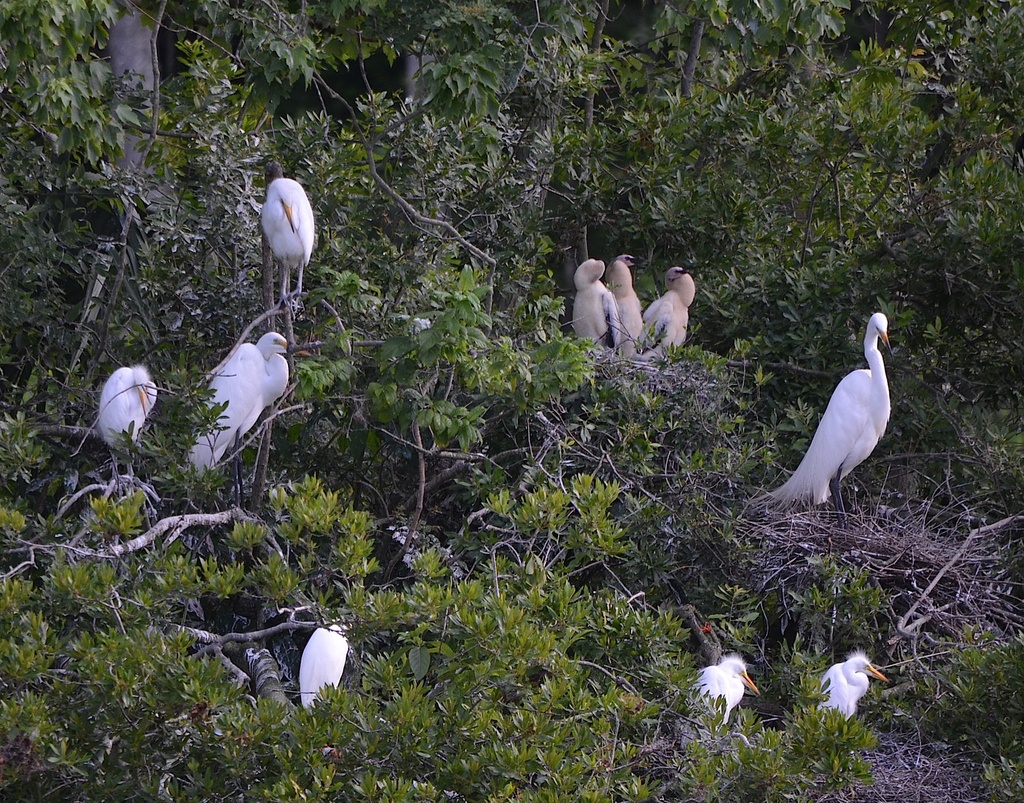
[172, 527]
[990, 529]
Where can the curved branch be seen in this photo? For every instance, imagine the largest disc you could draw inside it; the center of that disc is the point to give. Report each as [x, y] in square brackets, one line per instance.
[173, 526]
[209, 638]
[392, 193]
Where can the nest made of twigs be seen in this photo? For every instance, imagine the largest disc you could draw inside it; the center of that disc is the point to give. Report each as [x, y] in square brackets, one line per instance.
[908, 769]
[939, 578]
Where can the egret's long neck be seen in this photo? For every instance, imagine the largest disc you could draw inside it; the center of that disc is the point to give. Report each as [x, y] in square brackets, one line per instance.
[876, 364]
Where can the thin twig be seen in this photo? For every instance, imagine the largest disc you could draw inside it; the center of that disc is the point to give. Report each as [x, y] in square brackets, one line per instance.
[369, 143]
[989, 529]
[414, 521]
[155, 93]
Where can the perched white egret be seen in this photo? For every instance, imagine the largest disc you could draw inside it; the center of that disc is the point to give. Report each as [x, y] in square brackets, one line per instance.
[254, 378]
[667, 318]
[288, 226]
[125, 401]
[854, 421]
[594, 311]
[620, 283]
[726, 679]
[323, 662]
[846, 682]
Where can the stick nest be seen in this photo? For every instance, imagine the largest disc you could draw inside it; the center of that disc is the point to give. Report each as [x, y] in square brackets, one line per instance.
[906, 769]
[939, 577]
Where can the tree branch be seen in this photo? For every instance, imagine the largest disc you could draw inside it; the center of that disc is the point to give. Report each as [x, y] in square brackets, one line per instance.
[155, 56]
[990, 529]
[387, 189]
[209, 638]
[595, 46]
[173, 526]
[690, 67]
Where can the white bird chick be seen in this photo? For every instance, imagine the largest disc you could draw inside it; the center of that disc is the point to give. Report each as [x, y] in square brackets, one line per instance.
[619, 280]
[288, 225]
[846, 682]
[254, 378]
[666, 320]
[594, 312]
[852, 425]
[322, 663]
[726, 679]
[125, 401]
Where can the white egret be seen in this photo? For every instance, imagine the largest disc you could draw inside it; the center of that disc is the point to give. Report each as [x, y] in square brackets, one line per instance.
[846, 682]
[594, 311]
[125, 401]
[288, 226]
[853, 422]
[322, 663]
[667, 318]
[620, 283]
[726, 679]
[254, 378]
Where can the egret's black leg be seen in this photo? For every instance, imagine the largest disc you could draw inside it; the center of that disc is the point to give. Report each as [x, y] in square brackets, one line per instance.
[837, 498]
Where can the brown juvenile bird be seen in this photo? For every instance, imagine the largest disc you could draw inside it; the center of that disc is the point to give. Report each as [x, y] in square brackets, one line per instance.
[666, 319]
[620, 282]
[594, 312]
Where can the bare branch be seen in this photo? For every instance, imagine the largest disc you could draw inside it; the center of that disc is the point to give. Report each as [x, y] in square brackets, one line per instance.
[173, 526]
[209, 638]
[989, 529]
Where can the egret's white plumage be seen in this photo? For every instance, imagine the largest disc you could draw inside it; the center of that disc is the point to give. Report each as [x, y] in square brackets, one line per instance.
[846, 682]
[619, 281]
[666, 320]
[726, 679]
[125, 401]
[594, 312]
[322, 663]
[254, 378]
[288, 225]
[853, 422]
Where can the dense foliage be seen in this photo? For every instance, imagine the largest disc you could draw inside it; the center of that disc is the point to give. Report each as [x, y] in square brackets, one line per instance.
[533, 546]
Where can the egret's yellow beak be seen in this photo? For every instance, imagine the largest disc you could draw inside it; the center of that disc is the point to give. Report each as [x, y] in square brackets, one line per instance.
[749, 683]
[875, 673]
[885, 339]
[291, 219]
[143, 396]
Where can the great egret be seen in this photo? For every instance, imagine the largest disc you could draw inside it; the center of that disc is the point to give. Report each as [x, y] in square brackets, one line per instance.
[620, 282]
[726, 679]
[254, 378]
[666, 319]
[322, 663]
[125, 401]
[854, 421]
[288, 226]
[594, 311]
[846, 682]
